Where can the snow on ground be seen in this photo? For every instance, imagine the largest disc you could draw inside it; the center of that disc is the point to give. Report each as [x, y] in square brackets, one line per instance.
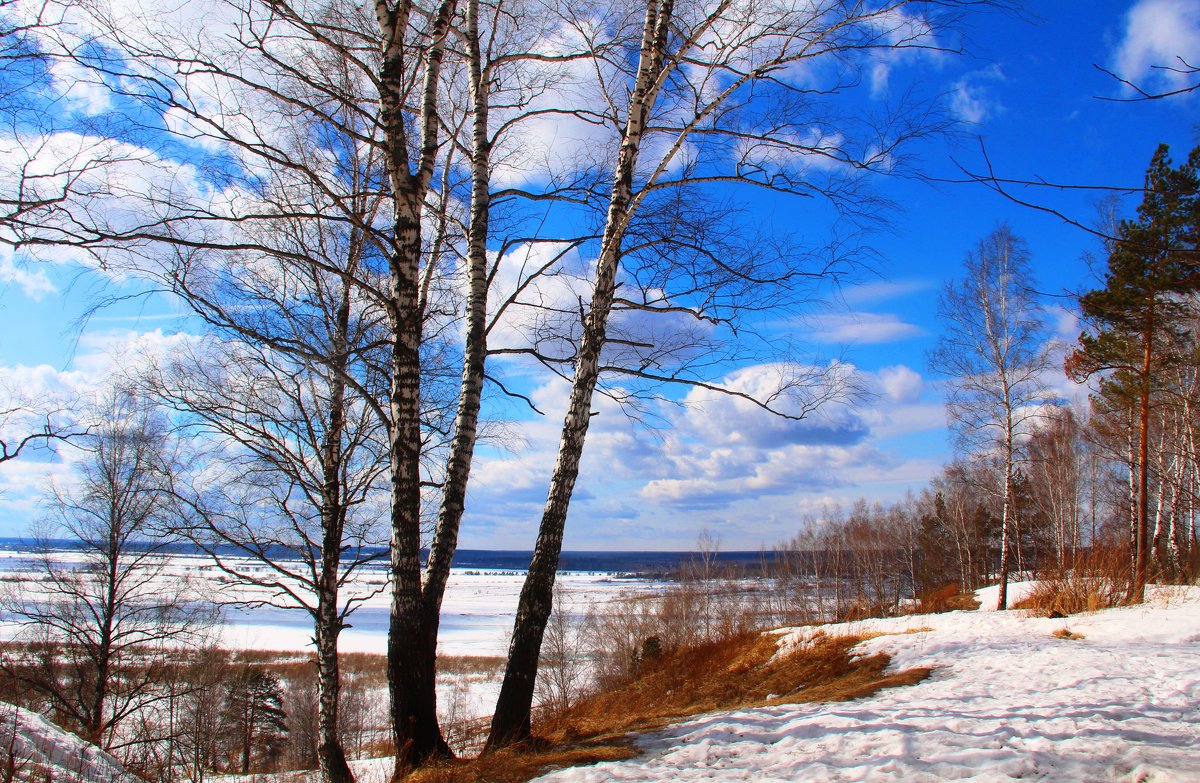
[1007, 701]
[37, 748]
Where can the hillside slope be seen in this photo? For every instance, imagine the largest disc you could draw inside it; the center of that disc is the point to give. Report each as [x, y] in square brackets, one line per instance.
[1008, 701]
[34, 749]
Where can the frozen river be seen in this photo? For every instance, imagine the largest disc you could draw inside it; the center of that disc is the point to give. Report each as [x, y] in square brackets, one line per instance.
[477, 612]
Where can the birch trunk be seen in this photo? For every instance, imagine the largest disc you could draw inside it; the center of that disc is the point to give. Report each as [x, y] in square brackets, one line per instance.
[328, 623]
[330, 754]
[1173, 564]
[1137, 589]
[412, 668]
[512, 721]
[466, 424]
[1006, 511]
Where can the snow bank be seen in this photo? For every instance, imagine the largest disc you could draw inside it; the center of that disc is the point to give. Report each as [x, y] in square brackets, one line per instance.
[1007, 701]
[989, 597]
[38, 748]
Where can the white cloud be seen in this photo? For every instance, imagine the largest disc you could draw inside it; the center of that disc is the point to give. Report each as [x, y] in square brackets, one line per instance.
[908, 37]
[113, 185]
[884, 291]
[34, 282]
[863, 328]
[30, 396]
[1159, 33]
[719, 461]
[901, 384]
[971, 98]
[1066, 323]
[80, 88]
[813, 150]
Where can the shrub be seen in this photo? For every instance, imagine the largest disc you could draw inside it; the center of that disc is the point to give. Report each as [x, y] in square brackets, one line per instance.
[1098, 579]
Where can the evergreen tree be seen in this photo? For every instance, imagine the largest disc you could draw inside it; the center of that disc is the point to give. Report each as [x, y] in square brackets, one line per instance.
[254, 720]
[937, 567]
[1152, 271]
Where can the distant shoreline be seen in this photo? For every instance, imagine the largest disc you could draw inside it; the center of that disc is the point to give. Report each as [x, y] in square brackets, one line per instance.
[632, 562]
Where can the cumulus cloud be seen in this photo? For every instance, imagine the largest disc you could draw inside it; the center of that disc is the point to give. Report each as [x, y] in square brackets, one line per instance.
[114, 186]
[1066, 324]
[813, 150]
[721, 419]
[80, 88]
[910, 36]
[901, 384]
[32, 396]
[1163, 33]
[784, 471]
[719, 460]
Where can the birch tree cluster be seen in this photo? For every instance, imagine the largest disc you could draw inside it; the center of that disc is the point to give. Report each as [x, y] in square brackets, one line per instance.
[382, 216]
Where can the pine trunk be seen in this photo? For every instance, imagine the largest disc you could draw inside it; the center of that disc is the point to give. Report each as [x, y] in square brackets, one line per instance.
[1137, 591]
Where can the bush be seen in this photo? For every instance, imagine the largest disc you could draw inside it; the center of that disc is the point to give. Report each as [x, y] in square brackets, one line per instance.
[1098, 579]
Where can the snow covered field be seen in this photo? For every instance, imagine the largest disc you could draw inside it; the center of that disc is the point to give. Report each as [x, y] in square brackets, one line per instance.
[477, 616]
[1007, 701]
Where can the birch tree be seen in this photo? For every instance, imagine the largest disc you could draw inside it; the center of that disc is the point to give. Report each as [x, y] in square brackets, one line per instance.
[992, 353]
[1056, 465]
[106, 626]
[694, 95]
[292, 482]
[334, 106]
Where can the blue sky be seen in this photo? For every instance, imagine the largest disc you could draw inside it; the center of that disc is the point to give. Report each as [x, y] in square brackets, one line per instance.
[1028, 92]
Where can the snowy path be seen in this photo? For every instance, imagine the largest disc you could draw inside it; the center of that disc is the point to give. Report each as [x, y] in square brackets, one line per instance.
[1007, 701]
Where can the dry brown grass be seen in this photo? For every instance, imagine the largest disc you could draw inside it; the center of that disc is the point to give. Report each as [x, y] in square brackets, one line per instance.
[946, 599]
[1097, 580]
[470, 664]
[519, 765]
[1071, 595]
[1067, 633]
[370, 669]
[739, 672]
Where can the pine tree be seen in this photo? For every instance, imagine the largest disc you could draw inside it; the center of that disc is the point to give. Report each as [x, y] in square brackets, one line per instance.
[1153, 268]
[254, 720]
